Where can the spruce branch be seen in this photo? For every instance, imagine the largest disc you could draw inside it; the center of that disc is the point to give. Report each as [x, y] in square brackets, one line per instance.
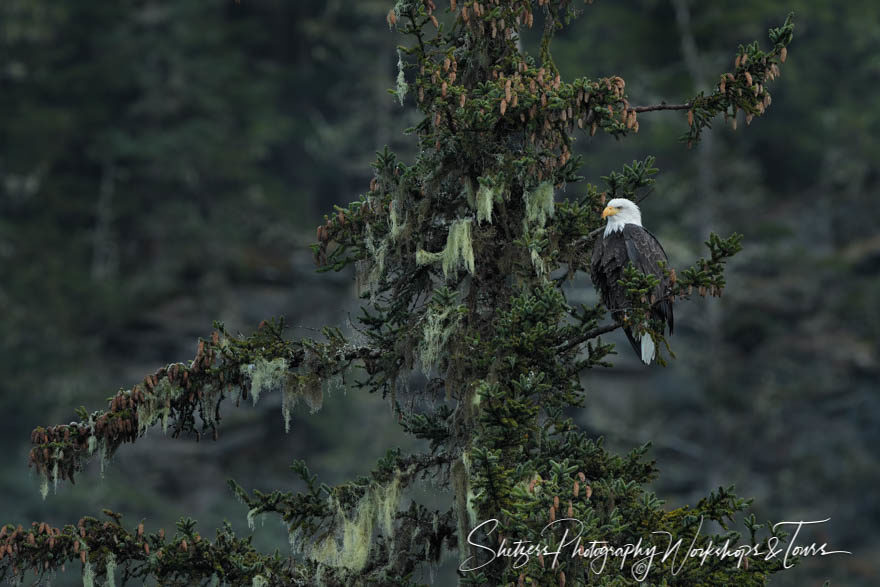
[589, 335]
[107, 549]
[225, 367]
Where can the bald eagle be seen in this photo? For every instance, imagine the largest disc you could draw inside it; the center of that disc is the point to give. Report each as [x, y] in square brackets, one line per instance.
[625, 241]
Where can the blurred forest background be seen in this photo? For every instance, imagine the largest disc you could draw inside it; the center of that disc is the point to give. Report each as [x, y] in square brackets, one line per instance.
[163, 164]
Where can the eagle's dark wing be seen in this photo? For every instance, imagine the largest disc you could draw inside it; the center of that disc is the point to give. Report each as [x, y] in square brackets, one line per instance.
[646, 254]
[608, 261]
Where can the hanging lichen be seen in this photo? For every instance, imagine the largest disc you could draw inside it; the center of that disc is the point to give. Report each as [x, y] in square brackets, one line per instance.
[539, 204]
[265, 375]
[259, 581]
[484, 200]
[250, 518]
[356, 534]
[110, 569]
[441, 322]
[88, 575]
[44, 484]
[397, 227]
[402, 86]
[289, 397]
[426, 258]
[390, 498]
[350, 544]
[210, 399]
[56, 457]
[105, 456]
[471, 497]
[491, 190]
[470, 191]
[538, 235]
[457, 254]
[309, 386]
[157, 405]
[538, 262]
[378, 266]
[295, 538]
[369, 271]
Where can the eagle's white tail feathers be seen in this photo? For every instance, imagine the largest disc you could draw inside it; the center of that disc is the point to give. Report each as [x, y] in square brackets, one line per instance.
[648, 349]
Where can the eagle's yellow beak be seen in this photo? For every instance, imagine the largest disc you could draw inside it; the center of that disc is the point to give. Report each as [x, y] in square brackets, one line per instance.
[609, 211]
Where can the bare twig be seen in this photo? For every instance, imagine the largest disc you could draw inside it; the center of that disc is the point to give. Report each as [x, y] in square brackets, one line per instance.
[662, 106]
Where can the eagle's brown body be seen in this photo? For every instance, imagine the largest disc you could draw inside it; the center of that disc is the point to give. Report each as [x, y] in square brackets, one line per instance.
[611, 254]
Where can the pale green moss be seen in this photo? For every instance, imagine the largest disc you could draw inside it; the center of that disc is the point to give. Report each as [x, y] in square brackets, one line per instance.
[389, 498]
[250, 518]
[265, 375]
[378, 267]
[296, 541]
[157, 405]
[210, 399]
[88, 575]
[484, 200]
[369, 271]
[349, 546]
[110, 569]
[440, 325]
[57, 457]
[44, 485]
[539, 204]
[309, 387]
[393, 216]
[259, 581]
[402, 86]
[458, 253]
[470, 192]
[471, 508]
[289, 398]
[426, 258]
[538, 262]
[356, 536]
[92, 444]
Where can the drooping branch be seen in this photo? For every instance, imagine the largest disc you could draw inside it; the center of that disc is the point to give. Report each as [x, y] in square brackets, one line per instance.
[225, 367]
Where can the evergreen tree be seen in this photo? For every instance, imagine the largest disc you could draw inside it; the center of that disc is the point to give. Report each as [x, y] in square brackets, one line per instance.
[461, 259]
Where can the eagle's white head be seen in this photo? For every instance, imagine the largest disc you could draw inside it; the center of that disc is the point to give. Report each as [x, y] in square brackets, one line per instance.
[619, 212]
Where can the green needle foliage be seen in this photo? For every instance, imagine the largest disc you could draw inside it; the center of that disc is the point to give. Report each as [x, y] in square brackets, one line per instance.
[461, 257]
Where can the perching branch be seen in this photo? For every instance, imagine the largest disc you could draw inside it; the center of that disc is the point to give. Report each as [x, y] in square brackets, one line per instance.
[588, 335]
